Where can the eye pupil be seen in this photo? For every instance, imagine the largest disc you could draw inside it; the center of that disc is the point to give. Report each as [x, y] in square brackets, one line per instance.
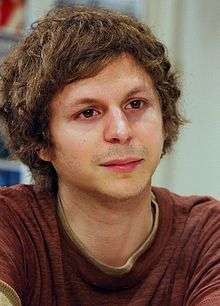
[88, 113]
[136, 103]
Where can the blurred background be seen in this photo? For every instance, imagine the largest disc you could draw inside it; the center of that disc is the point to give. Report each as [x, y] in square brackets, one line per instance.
[191, 31]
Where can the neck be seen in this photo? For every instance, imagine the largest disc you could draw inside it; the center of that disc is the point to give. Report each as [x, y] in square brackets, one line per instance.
[112, 230]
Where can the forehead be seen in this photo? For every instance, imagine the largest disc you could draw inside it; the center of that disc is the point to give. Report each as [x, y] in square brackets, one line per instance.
[120, 77]
[124, 68]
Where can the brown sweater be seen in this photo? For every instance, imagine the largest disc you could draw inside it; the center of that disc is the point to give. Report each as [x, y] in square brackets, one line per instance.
[45, 267]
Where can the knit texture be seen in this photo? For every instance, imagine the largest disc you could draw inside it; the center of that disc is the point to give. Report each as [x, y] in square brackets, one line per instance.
[44, 266]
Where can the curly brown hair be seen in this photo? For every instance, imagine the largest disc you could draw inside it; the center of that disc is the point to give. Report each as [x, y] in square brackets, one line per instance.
[68, 44]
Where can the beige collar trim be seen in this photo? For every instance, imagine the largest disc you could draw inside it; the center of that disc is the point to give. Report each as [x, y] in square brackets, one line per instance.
[131, 260]
[8, 296]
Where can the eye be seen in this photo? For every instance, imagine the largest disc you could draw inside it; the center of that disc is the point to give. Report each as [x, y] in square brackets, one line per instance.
[87, 113]
[90, 112]
[136, 104]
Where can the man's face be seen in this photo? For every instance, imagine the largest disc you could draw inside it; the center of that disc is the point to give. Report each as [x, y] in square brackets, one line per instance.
[114, 115]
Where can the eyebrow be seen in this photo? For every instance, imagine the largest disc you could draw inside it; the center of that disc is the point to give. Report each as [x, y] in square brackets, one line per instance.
[88, 100]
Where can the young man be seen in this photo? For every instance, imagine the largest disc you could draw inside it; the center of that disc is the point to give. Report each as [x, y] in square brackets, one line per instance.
[90, 104]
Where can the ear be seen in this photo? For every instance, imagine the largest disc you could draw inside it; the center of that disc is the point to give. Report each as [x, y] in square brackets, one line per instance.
[44, 154]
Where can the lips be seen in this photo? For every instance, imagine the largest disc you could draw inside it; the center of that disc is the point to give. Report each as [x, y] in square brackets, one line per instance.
[123, 166]
[118, 162]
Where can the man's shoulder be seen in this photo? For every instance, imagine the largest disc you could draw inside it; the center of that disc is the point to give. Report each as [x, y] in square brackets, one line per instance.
[20, 198]
[188, 204]
[16, 190]
[16, 194]
[194, 218]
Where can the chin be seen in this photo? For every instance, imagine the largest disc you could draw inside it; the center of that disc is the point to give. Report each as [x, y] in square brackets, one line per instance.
[123, 193]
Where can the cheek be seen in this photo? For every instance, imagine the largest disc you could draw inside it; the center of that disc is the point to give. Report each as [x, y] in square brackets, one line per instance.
[68, 149]
[77, 150]
[151, 129]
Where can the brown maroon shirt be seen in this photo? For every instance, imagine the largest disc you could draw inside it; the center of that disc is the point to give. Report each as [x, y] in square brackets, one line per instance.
[42, 266]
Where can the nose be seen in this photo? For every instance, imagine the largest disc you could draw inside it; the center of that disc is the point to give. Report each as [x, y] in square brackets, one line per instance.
[117, 128]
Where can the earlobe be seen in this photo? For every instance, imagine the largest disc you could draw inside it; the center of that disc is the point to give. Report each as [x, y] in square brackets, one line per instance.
[44, 154]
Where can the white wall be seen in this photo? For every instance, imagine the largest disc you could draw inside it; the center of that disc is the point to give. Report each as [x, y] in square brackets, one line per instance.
[37, 8]
[191, 29]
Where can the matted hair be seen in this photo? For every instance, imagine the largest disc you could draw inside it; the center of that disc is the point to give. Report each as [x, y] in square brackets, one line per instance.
[68, 44]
